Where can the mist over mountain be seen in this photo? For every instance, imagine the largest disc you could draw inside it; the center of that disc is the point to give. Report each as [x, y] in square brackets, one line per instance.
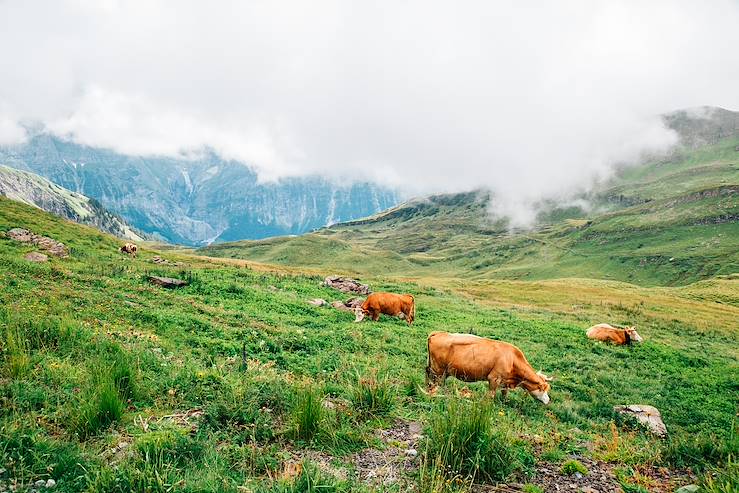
[195, 201]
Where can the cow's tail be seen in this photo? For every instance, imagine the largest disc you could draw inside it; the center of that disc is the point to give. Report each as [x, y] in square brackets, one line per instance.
[428, 359]
[413, 308]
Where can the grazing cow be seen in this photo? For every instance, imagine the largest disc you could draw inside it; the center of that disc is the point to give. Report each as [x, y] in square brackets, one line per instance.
[472, 359]
[606, 333]
[129, 248]
[389, 304]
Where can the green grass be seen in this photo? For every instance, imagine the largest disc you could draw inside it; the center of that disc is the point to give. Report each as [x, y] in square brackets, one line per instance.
[218, 385]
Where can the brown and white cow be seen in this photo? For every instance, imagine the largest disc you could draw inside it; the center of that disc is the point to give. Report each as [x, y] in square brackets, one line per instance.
[388, 303]
[129, 248]
[472, 359]
[607, 333]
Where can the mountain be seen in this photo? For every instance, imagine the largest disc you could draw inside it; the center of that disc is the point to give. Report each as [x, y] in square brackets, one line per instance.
[34, 190]
[671, 221]
[195, 201]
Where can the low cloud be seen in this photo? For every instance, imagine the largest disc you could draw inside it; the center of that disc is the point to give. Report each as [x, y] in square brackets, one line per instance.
[534, 101]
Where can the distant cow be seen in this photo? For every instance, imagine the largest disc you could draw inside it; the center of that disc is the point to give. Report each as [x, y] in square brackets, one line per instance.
[472, 359]
[129, 248]
[607, 333]
[389, 304]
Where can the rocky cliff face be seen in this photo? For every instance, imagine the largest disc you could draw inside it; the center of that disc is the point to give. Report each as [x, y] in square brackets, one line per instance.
[34, 190]
[197, 201]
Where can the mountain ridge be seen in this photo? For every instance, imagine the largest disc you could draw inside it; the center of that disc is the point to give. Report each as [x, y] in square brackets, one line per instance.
[195, 201]
[32, 189]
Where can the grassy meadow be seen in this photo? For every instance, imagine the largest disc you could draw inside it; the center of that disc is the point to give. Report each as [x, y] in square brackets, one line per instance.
[108, 383]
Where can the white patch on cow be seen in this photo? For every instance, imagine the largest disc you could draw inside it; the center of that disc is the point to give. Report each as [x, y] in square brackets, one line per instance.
[359, 313]
[541, 395]
[635, 337]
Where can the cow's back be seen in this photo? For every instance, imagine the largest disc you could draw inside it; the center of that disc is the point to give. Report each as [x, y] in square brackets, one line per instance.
[470, 357]
[606, 333]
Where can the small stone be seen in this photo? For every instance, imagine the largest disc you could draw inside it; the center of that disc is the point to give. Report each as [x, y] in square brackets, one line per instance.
[411, 452]
[50, 483]
[318, 302]
[690, 488]
[578, 475]
[40, 483]
[588, 489]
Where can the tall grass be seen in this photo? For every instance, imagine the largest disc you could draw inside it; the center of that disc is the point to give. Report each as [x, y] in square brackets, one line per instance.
[102, 403]
[14, 353]
[373, 396]
[468, 441]
[307, 414]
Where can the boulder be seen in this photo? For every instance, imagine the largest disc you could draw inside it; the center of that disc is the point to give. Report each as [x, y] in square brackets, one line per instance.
[346, 285]
[167, 282]
[649, 416]
[36, 257]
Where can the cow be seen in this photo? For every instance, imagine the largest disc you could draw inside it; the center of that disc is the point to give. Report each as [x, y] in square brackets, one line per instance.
[129, 248]
[472, 358]
[607, 333]
[388, 303]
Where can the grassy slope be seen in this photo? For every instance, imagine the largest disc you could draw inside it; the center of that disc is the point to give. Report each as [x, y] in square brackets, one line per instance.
[72, 326]
[671, 222]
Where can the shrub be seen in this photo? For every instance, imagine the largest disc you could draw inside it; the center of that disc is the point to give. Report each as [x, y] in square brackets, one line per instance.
[307, 414]
[571, 467]
[373, 397]
[467, 441]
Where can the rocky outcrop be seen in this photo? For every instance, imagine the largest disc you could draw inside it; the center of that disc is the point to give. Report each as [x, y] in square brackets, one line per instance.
[34, 190]
[50, 245]
[346, 285]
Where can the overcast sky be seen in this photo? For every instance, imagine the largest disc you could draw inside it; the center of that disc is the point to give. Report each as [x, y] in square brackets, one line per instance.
[531, 99]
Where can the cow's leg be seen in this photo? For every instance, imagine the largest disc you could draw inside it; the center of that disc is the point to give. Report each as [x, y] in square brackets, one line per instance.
[375, 315]
[493, 382]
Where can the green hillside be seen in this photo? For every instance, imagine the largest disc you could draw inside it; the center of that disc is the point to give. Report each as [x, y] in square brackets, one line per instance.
[108, 383]
[667, 222]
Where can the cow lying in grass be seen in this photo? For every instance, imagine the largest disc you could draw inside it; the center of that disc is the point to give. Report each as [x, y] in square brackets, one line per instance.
[389, 304]
[472, 359]
[607, 333]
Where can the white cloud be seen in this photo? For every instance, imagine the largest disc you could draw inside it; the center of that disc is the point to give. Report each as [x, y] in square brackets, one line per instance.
[532, 100]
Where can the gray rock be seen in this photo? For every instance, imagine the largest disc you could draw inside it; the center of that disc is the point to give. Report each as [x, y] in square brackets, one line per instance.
[40, 483]
[649, 416]
[167, 282]
[346, 285]
[318, 302]
[690, 488]
[36, 257]
[50, 483]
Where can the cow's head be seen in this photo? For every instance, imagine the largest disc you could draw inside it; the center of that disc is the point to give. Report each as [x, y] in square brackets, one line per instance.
[359, 313]
[540, 389]
[633, 334]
